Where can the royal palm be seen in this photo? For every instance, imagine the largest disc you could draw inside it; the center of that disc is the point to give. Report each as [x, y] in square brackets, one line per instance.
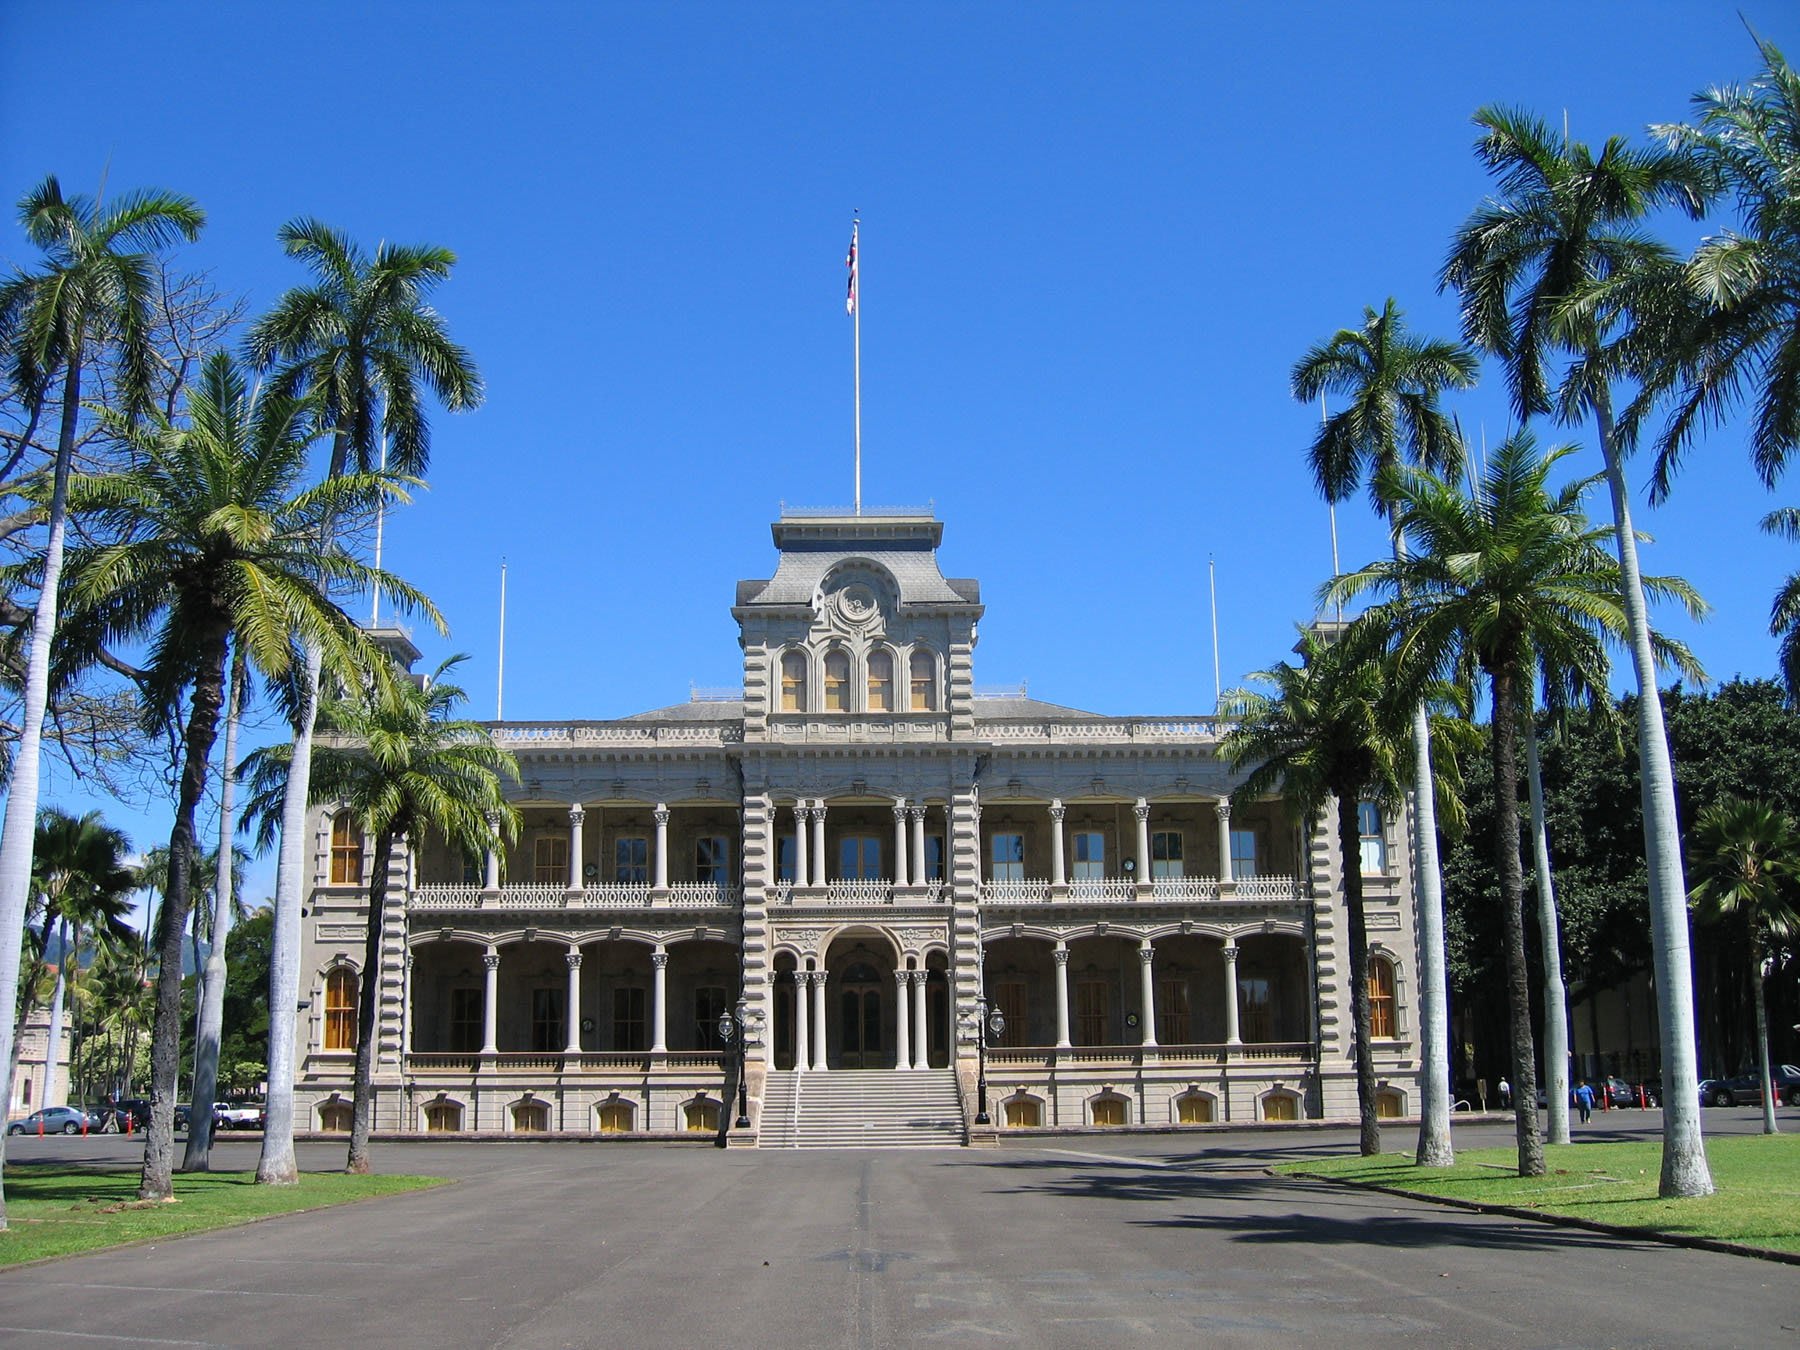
[1391, 382]
[1527, 264]
[363, 341]
[213, 541]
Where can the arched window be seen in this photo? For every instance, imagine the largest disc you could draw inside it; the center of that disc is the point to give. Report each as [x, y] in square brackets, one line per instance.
[1193, 1108]
[443, 1117]
[1389, 1104]
[615, 1117]
[1023, 1113]
[924, 682]
[837, 682]
[793, 681]
[334, 1118]
[702, 1117]
[340, 1009]
[881, 682]
[1107, 1110]
[1381, 998]
[346, 850]
[531, 1117]
[1281, 1106]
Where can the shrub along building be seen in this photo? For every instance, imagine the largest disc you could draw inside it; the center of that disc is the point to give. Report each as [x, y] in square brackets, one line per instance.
[858, 853]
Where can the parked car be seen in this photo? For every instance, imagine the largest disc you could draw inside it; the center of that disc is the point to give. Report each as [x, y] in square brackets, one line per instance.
[240, 1115]
[133, 1109]
[1746, 1088]
[57, 1120]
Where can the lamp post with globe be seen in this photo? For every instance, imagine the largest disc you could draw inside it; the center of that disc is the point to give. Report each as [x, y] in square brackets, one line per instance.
[736, 1026]
[987, 1020]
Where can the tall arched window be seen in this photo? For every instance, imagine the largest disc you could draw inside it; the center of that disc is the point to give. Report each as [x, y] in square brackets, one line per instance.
[1381, 998]
[793, 681]
[924, 682]
[881, 682]
[837, 682]
[340, 1009]
[346, 850]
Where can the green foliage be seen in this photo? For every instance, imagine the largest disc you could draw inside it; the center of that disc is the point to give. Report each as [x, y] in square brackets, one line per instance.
[244, 1046]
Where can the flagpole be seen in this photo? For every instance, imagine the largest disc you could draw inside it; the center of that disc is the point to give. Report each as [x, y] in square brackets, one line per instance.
[856, 326]
[380, 517]
[1212, 585]
[500, 674]
[1331, 509]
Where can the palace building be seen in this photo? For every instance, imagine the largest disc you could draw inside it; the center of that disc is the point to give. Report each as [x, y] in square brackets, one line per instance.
[876, 879]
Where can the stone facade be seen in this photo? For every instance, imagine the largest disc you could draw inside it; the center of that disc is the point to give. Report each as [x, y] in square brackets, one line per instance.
[857, 854]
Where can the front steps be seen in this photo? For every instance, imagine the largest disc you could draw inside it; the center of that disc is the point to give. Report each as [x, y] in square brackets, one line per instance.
[861, 1108]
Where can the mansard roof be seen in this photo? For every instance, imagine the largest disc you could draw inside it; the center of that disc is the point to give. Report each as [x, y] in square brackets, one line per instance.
[903, 543]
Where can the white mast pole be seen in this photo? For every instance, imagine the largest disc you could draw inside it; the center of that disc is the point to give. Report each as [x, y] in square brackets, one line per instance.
[1212, 585]
[856, 326]
[1331, 510]
[380, 518]
[500, 675]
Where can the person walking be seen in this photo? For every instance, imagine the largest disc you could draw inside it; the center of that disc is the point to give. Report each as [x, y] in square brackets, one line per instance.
[1505, 1095]
[1584, 1100]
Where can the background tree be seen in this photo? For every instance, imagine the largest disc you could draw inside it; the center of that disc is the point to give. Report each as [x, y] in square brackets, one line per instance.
[214, 542]
[1526, 265]
[1392, 383]
[91, 291]
[1747, 856]
[362, 340]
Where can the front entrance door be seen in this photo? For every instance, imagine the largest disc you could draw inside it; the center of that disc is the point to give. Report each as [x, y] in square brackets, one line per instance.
[859, 1019]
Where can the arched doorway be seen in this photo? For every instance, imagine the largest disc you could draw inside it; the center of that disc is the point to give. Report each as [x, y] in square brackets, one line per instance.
[860, 1003]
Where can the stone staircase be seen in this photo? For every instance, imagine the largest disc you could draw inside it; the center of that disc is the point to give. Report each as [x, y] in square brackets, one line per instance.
[861, 1108]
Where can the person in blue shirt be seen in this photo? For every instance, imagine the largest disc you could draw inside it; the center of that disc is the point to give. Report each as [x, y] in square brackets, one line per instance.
[1584, 1099]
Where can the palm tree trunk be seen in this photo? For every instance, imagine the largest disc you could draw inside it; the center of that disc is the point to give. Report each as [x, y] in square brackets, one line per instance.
[1349, 834]
[1556, 997]
[1512, 903]
[18, 836]
[362, 1108]
[1762, 1037]
[51, 1096]
[165, 1036]
[276, 1166]
[1684, 1168]
[212, 977]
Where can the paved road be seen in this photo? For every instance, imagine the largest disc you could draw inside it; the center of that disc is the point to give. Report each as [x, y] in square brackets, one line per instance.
[1063, 1242]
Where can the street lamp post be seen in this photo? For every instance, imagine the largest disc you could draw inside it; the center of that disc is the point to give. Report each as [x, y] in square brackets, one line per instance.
[986, 1020]
[736, 1026]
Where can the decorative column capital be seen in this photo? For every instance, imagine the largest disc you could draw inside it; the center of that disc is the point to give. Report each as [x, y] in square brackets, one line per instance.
[1141, 809]
[491, 960]
[1230, 953]
[919, 976]
[899, 810]
[577, 814]
[1057, 810]
[573, 957]
[660, 960]
[1146, 951]
[1060, 955]
[1223, 808]
[916, 812]
[660, 814]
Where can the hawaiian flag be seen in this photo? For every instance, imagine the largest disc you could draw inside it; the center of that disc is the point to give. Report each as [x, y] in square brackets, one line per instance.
[850, 262]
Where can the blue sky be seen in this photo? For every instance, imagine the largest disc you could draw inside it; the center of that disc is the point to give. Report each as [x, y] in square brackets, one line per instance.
[1094, 241]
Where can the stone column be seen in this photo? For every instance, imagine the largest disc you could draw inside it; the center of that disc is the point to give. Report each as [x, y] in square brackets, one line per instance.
[576, 816]
[406, 1010]
[1061, 957]
[802, 1004]
[819, 1037]
[1231, 995]
[917, 815]
[1059, 866]
[900, 874]
[922, 1030]
[490, 1017]
[1147, 978]
[1224, 812]
[902, 1036]
[662, 847]
[659, 1002]
[490, 860]
[1142, 811]
[800, 872]
[818, 845]
[573, 1045]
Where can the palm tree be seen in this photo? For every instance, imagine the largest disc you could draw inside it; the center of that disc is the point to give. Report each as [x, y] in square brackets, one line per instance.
[1393, 381]
[214, 542]
[1526, 264]
[1506, 580]
[405, 767]
[92, 295]
[362, 340]
[1747, 854]
[1744, 342]
[1327, 736]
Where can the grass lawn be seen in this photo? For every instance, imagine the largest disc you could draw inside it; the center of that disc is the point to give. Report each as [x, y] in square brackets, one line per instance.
[1757, 1200]
[57, 1211]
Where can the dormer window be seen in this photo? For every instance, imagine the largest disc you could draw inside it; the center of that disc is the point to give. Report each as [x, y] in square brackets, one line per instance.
[793, 681]
[837, 682]
[924, 682]
[881, 682]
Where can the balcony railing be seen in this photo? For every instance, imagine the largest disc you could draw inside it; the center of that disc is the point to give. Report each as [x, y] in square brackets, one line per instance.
[611, 895]
[1118, 890]
[1044, 1057]
[556, 1062]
